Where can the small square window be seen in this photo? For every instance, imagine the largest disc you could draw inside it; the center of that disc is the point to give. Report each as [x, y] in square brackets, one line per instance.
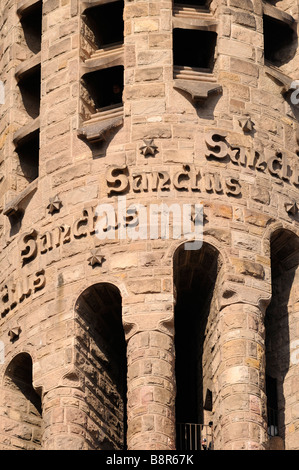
[105, 87]
[194, 48]
[106, 23]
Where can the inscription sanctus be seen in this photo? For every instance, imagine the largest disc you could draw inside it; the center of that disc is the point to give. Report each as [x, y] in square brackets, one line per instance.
[276, 163]
[189, 178]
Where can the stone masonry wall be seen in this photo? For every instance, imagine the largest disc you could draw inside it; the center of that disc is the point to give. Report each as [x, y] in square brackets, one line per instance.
[232, 148]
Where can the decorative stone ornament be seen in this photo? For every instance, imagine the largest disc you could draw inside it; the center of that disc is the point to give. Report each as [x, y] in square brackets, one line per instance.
[149, 147]
[96, 258]
[291, 208]
[54, 204]
[14, 333]
[247, 124]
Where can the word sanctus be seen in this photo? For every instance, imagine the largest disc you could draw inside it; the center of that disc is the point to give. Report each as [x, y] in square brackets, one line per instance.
[121, 179]
[275, 163]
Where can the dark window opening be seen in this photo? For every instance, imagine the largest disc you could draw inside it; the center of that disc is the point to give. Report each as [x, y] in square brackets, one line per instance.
[15, 220]
[278, 39]
[279, 319]
[208, 403]
[194, 48]
[106, 23]
[272, 405]
[194, 278]
[203, 4]
[105, 87]
[29, 85]
[31, 23]
[28, 152]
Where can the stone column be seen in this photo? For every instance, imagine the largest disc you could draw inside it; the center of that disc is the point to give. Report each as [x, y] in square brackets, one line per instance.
[151, 388]
[240, 410]
[65, 416]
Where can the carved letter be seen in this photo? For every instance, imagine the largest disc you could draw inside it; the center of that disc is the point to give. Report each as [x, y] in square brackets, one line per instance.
[66, 229]
[140, 182]
[164, 176]
[275, 165]
[4, 299]
[77, 225]
[217, 148]
[194, 176]
[40, 281]
[295, 178]
[89, 213]
[233, 187]
[46, 242]
[24, 289]
[29, 248]
[179, 180]
[119, 182]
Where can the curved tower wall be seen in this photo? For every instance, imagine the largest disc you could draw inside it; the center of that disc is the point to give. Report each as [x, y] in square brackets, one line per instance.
[208, 118]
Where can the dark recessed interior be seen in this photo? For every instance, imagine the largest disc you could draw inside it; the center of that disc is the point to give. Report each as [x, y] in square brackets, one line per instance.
[195, 274]
[278, 38]
[194, 48]
[32, 26]
[105, 87]
[102, 344]
[29, 86]
[19, 377]
[278, 321]
[106, 22]
[204, 4]
[28, 152]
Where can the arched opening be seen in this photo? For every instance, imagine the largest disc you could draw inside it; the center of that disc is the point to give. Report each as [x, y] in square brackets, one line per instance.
[21, 420]
[195, 275]
[281, 326]
[101, 357]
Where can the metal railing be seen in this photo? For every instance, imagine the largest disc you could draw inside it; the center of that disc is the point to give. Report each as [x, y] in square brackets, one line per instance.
[272, 422]
[192, 436]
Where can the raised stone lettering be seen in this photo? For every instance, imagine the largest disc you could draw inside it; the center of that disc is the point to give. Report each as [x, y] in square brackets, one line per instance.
[29, 246]
[217, 145]
[119, 182]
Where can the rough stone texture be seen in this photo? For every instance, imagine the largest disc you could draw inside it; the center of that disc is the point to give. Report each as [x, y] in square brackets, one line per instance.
[69, 299]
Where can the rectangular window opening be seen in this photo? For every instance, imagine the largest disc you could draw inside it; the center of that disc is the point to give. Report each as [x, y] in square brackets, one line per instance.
[201, 4]
[279, 41]
[194, 48]
[29, 85]
[104, 89]
[28, 152]
[31, 22]
[105, 24]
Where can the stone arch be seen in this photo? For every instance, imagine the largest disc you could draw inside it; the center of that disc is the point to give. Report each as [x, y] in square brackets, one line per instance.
[196, 274]
[21, 420]
[282, 339]
[100, 356]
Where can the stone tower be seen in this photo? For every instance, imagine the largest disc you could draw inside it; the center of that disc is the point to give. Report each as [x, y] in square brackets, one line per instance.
[121, 123]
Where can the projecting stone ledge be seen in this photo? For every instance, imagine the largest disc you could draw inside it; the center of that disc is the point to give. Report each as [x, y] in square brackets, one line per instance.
[198, 90]
[16, 204]
[97, 130]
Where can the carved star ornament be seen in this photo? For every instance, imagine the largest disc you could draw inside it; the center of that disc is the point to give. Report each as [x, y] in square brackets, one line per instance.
[54, 204]
[247, 124]
[148, 147]
[291, 207]
[96, 258]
